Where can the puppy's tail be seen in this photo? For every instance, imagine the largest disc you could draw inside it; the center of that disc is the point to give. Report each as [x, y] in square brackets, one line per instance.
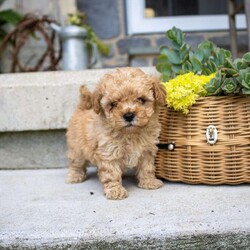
[85, 98]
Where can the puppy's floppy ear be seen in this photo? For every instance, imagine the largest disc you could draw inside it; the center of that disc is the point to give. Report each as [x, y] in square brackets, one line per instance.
[159, 92]
[96, 100]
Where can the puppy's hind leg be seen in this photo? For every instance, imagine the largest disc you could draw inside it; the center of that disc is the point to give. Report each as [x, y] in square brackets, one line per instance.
[77, 168]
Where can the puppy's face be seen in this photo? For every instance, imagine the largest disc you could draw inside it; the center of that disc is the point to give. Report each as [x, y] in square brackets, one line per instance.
[127, 98]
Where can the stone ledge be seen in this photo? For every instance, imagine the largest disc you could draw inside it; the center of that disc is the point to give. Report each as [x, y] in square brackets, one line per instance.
[34, 112]
[40, 211]
[42, 101]
[33, 149]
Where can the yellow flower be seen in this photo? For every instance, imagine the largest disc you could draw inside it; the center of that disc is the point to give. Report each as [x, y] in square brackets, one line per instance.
[183, 91]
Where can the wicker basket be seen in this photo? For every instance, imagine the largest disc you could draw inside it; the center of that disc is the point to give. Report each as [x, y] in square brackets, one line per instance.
[194, 160]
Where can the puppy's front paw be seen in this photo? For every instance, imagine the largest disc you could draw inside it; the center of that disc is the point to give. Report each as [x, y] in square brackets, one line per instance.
[150, 184]
[116, 193]
[74, 177]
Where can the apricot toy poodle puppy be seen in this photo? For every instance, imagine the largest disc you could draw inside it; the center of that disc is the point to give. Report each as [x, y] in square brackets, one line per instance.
[117, 128]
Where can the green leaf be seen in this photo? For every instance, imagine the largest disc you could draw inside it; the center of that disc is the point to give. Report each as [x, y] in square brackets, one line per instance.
[164, 68]
[239, 63]
[213, 87]
[243, 74]
[229, 63]
[184, 50]
[165, 78]
[179, 37]
[244, 64]
[230, 72]
[175, 45]
[217, 82]
[176, 68]
[214, 66]
[191, 55]
[197, 65]
[210, 66]
[245, 84]
[170, 35]
[199, 54]
[245, 91]
[176, 35]
[210, 88]
[221, 57]
[244, 78]
[227, 53]
[173, 56]
[10, 17]
[206, 71]
[247, 78]
[216, 59]
[187, 67]
[246, 57]
[230, 85]
[163, 50]
[162, 59]
[206, 47]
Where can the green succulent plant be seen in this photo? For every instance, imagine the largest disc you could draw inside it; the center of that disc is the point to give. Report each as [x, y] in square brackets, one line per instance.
[180, 59]
[233, 76]
[79, 19]
[230, 86]
[244, 76]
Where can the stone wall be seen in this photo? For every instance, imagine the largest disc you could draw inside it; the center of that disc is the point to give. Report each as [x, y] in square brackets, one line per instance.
[108, 20]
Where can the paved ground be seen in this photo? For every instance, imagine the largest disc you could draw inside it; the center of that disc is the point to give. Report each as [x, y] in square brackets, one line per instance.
[39, 211]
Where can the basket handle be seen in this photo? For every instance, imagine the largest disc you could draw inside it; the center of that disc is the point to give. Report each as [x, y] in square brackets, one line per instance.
[169, 146]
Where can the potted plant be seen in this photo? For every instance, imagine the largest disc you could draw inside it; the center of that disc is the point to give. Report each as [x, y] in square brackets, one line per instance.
[228, 76]
[80, 19]
[212, 137]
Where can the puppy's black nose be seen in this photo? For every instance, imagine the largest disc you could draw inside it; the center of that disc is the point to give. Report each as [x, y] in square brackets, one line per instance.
[129, 117]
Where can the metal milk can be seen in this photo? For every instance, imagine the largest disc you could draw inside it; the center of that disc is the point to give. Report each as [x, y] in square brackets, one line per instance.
[75, 54]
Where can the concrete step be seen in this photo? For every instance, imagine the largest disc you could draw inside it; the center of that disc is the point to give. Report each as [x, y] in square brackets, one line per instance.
[40, 211]
[34, 112]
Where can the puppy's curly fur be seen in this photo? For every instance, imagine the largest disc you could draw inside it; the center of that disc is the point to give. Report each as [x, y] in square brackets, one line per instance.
[116, 128]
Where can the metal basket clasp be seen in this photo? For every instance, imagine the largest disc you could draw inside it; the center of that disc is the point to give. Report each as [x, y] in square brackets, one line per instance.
[211, 134]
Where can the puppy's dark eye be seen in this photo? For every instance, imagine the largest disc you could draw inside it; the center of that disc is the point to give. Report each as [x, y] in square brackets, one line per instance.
[142, 100]
[113, 105]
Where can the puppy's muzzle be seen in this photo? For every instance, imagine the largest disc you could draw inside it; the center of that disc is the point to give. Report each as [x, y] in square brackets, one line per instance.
[129, 117]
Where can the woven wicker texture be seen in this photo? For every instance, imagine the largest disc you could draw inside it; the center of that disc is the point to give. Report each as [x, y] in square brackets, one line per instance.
[194, 160]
